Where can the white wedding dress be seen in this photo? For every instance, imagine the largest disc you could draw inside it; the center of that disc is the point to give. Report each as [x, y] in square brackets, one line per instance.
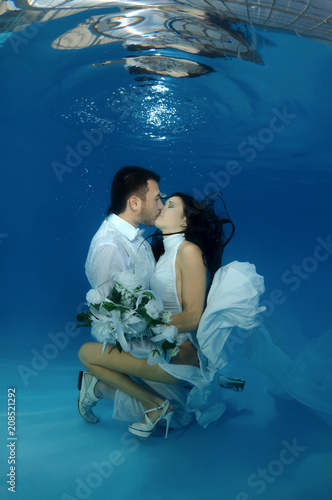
[233, 301]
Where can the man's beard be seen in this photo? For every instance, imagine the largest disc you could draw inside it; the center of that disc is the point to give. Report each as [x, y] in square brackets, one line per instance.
[146, 219]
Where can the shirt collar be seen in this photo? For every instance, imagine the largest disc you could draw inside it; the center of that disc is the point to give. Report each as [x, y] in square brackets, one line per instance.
[124, 227]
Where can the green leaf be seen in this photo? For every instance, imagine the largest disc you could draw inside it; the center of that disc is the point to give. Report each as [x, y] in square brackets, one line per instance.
[109, 306]
[166, 345]
[83, 316]
[116, 295]
[144, 301]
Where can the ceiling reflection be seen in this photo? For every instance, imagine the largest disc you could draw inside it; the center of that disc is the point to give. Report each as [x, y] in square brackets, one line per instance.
[208, 28]
[162, 29]
[160, 65]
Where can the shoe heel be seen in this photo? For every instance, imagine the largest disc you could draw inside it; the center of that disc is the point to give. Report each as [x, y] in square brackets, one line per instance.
[168, 419]
[237, 385]
[240, 386]
[234, 384]
[79, 382]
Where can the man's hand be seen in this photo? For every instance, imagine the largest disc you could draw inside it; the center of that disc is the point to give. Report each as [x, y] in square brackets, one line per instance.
[187, 355]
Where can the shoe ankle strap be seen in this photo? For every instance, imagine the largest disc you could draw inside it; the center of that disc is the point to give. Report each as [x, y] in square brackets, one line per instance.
[166, 403]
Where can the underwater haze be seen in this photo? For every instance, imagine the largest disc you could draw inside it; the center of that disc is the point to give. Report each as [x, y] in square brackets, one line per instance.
[232, 97]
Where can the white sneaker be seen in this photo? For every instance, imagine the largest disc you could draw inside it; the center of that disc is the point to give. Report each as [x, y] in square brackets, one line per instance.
[87, 398]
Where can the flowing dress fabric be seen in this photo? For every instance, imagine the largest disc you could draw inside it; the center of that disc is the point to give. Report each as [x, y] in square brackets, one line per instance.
[233, 301]
[307, 377]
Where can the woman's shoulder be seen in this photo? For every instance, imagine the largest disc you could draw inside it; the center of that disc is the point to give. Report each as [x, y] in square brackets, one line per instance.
[189, 250]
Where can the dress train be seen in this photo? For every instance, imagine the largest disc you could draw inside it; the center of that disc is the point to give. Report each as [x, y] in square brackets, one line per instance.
[306, 378]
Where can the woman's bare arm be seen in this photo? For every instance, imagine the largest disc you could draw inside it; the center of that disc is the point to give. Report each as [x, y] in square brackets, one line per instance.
[193, 286]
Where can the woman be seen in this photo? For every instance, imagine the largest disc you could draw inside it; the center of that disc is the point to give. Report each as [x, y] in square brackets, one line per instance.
[194, 240]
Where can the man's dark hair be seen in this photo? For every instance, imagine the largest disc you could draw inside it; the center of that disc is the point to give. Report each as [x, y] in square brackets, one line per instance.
[129, 181]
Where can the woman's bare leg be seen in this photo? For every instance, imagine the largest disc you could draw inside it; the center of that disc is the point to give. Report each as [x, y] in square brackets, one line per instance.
[115, 368]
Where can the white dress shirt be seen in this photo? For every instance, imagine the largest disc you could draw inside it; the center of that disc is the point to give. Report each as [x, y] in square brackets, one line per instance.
[116, 246]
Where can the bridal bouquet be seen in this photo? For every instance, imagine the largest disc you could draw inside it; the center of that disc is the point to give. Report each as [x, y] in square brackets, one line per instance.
[129, 313]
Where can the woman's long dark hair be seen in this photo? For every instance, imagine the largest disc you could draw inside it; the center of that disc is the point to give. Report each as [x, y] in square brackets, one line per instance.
[204, 228]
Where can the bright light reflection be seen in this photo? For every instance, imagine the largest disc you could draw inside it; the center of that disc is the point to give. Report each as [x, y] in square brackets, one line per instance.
[160, 110]
[160, 88]
[160, 115]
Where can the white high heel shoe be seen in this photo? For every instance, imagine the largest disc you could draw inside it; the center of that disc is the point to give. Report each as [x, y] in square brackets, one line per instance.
[145, 429]
[234, 384]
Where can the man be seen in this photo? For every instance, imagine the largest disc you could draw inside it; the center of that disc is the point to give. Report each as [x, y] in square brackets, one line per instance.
[135, 200]
[118, 245]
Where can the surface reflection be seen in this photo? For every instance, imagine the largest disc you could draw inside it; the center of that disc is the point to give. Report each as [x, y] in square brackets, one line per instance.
[160, 65]
[200, 27]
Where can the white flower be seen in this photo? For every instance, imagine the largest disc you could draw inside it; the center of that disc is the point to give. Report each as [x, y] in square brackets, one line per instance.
[102, 330]
[152, 309]
[166, 317]
[163, 332]
[133, 323]
[127, 278]
[94, 296]
[128, 300]
[174, 351]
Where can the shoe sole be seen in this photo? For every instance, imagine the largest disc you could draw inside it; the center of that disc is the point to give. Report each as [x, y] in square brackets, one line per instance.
[79, 386]
[143, 434]
[89, 421]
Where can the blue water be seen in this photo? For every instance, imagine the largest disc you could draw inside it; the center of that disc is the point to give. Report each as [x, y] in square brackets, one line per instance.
[261, 133]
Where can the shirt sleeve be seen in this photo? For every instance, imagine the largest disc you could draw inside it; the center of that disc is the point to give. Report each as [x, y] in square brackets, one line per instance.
[108, 259]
